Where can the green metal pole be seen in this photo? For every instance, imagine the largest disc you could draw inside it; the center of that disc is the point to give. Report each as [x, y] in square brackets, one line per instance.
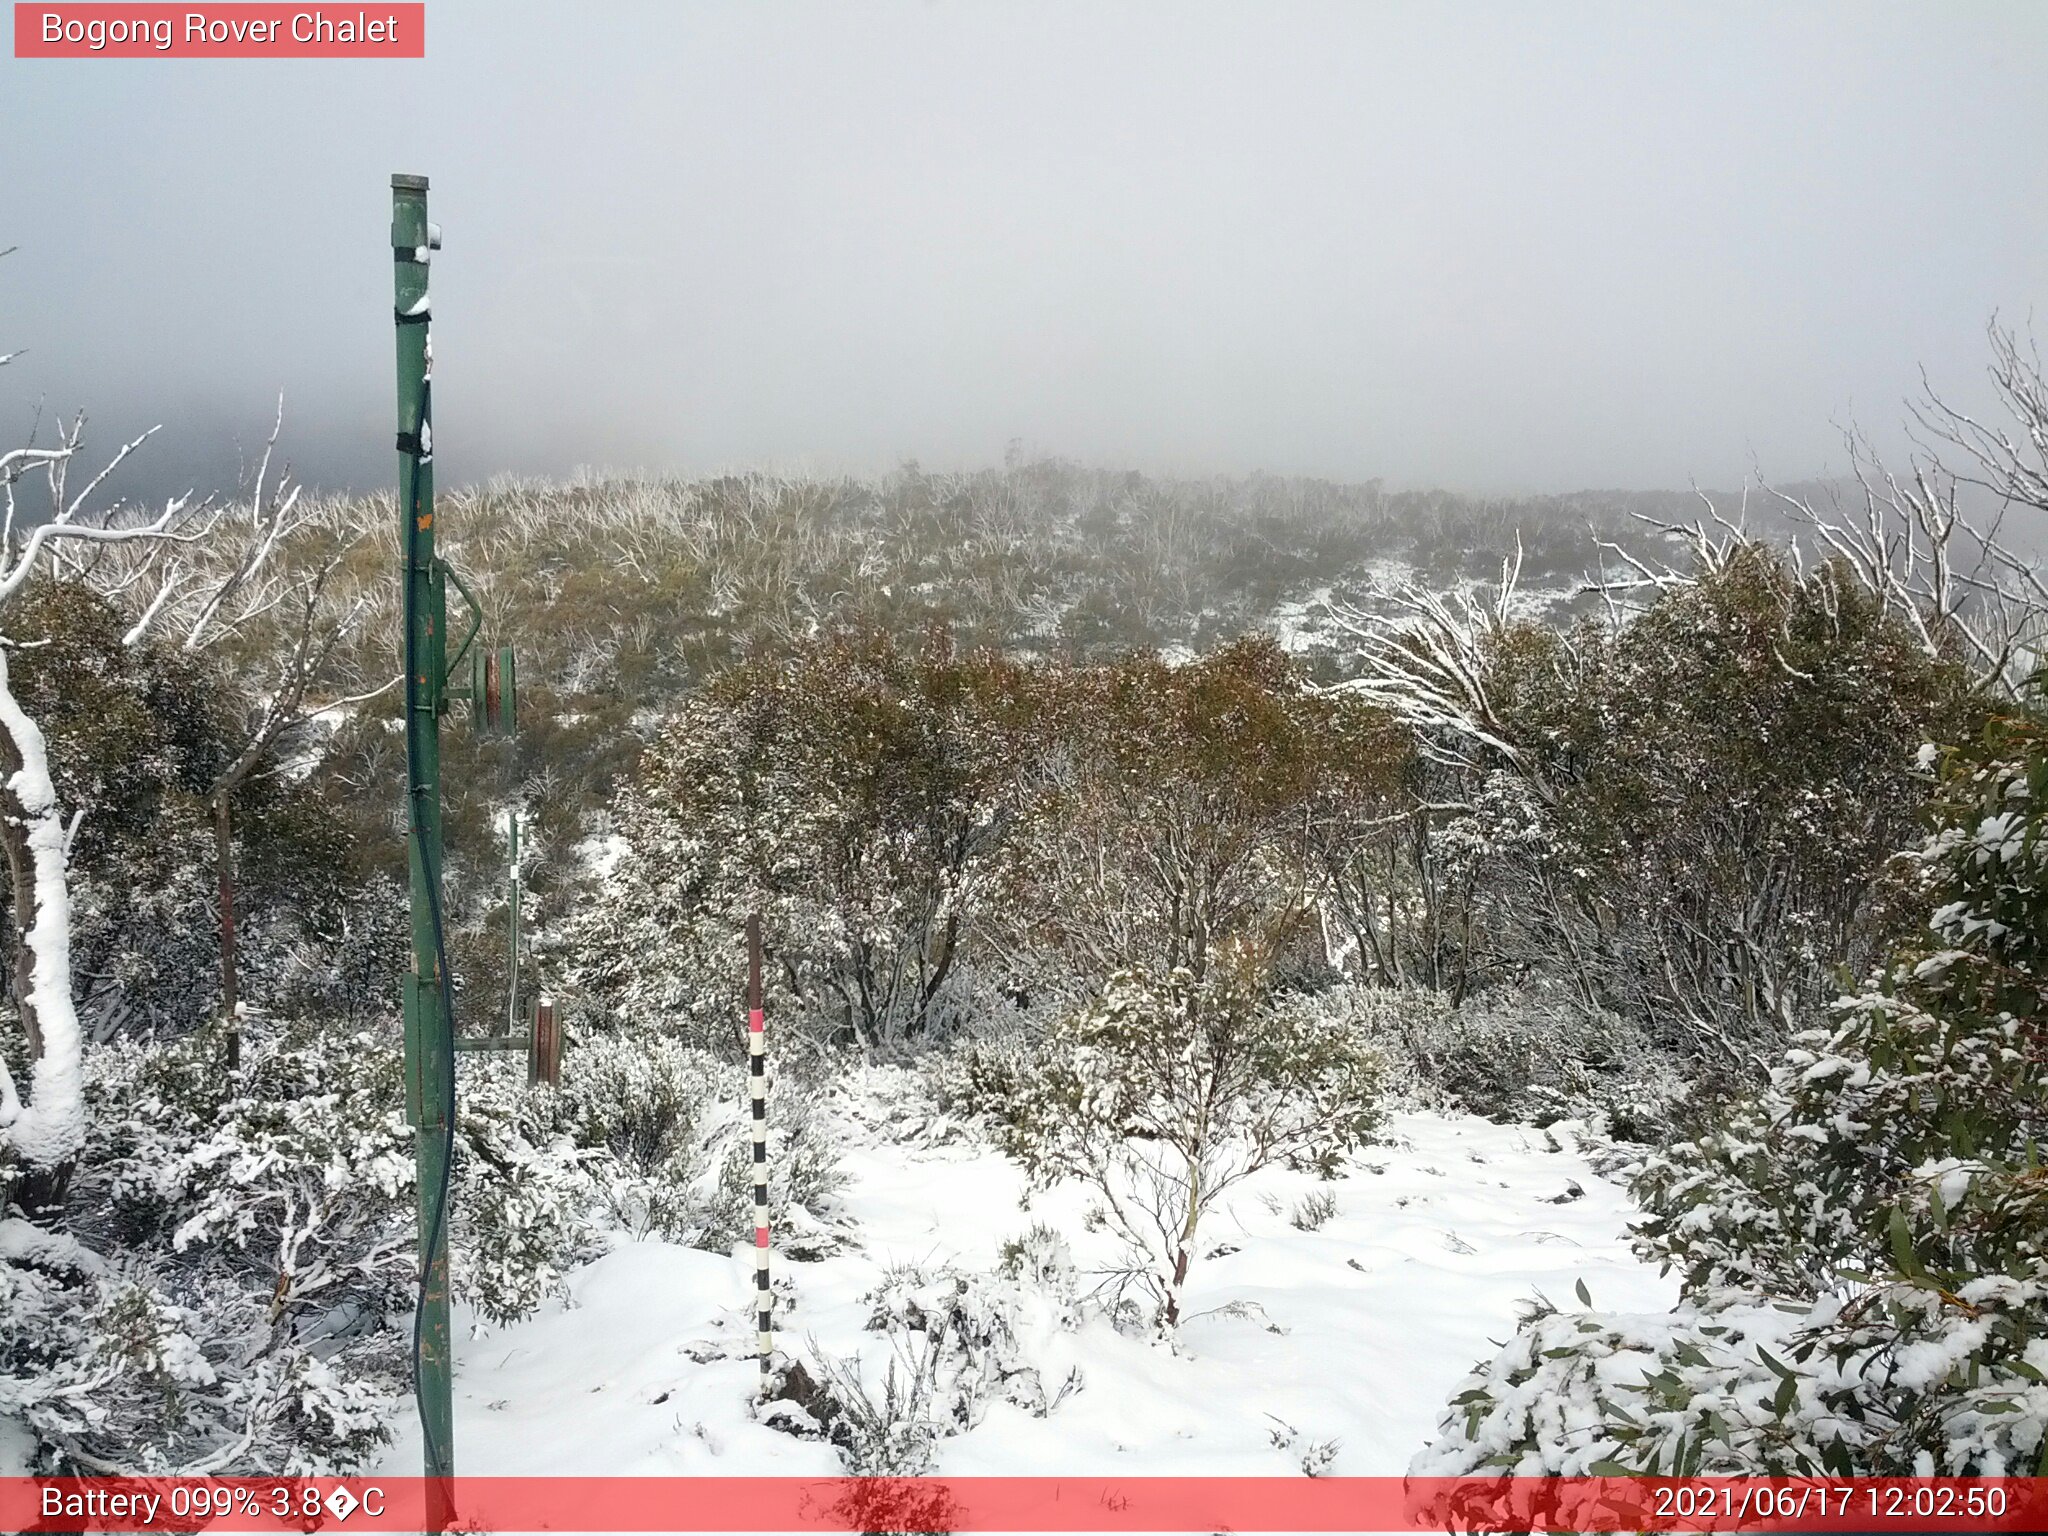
[429, 1018]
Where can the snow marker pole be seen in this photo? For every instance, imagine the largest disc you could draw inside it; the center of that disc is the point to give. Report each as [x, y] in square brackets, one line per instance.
[513, 1017]
[757, 1092]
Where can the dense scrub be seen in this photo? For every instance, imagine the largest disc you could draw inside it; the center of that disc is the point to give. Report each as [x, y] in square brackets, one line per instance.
[626, 596]
[1863, 1238]
[1157, 901]
[1686, 823]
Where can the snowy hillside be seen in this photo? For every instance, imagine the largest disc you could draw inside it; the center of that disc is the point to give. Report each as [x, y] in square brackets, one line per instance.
[1352, 1334]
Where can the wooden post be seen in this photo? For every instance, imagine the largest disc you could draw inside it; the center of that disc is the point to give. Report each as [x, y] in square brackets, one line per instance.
[544, 1060]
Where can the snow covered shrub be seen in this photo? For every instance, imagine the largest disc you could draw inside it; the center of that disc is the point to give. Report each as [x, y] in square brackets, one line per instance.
[671, 1123]
[976, 1077]
[1167, 1092]
[183, 1370]
[520, 1230]
[885, 1428]
[524, 1194]
[646, 1100]
[1739, 769]
[138, 734]
[1039, 1256]
[1528, 1057]
[804, 1173]
[1312, 1212]
[256, 1233]
[298, 1165]
[1314, 1457]
[958, 1342]
[302, 1160]
[239, 1260]
[1900, 1380]
[1864, 1240]
[985, 1332]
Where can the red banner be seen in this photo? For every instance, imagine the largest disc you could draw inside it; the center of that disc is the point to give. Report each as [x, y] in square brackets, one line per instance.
[103, 31]
[1195, 1504]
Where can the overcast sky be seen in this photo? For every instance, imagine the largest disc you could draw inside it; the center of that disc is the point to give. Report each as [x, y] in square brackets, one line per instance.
[1492, 247]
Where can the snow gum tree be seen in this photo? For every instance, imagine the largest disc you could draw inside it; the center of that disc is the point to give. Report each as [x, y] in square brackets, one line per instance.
[1685, 814]
[42, 1128]
[853, 795]
[266, 596]
[137, 732]
[1171, 810]
[1164, 867]
[1739, 764]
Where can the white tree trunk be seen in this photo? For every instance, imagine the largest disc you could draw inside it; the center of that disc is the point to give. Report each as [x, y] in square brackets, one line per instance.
[46, 1130]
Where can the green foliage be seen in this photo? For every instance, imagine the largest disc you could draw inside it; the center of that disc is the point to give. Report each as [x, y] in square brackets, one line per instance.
[850, 796]
[627, 596]
[137, 734]
[1169, 811]
[1696, 823]
[1940, 1060]
[1864, 1240]
[1898, 1381]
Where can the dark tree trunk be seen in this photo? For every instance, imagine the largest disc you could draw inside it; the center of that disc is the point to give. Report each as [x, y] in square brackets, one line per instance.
[21, 880]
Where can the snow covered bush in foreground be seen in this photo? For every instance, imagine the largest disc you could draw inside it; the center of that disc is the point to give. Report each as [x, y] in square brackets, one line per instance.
[525, 1194]
[958, 1342]
[253, 1250]
[230, 1293]
[154, 1368]
[1864, 1241]
[1167, 1092]
[298, 1168]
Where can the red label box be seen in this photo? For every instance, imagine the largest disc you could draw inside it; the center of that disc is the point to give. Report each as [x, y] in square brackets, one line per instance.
[1736, 1506]
[370, 30]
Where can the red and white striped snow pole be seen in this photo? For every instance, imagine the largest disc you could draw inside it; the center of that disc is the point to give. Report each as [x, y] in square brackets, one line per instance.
[757, 1092]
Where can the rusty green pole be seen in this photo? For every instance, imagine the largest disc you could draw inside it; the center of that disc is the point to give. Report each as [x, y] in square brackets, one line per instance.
[429, 1010]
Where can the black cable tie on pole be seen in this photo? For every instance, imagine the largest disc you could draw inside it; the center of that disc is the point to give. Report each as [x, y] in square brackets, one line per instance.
[409, 443]
[404, 318]
[410, 253]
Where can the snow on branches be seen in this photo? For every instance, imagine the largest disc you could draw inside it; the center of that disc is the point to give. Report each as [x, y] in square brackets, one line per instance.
[1167, 1092]
[1864, 1240]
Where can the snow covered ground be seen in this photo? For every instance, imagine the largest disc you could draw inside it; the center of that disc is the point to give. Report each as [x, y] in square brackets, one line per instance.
[1354, 1333]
